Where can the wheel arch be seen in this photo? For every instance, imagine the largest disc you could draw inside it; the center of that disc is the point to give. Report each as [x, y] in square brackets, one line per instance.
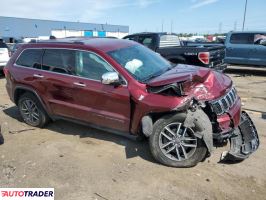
[198, 119]
[148, 120]
[20, 90]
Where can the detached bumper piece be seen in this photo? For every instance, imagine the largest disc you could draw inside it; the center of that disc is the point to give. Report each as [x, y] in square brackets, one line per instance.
[1, 137]
[221, 67]
[244, 141]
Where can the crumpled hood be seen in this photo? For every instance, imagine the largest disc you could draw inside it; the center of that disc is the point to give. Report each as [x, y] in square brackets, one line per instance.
[203, 83]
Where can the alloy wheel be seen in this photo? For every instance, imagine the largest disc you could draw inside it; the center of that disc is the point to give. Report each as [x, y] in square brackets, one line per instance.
[30, 112]
[177, 142]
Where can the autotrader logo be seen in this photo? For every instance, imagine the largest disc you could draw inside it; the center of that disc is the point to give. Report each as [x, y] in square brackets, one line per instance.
[26, 193]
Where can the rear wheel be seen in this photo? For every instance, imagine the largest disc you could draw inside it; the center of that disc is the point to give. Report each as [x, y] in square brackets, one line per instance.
[175, 145]
[32, 111]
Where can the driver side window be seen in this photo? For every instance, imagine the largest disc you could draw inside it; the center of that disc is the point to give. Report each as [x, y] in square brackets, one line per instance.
[90, 65]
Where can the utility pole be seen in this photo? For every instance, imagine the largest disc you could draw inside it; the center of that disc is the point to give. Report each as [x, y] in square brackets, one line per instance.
[235, 26]
[245, 11]
[220, 27]
[162, 24]
[171, 26]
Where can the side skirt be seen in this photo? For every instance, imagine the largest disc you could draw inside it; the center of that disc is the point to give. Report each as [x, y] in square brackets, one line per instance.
[109, 130]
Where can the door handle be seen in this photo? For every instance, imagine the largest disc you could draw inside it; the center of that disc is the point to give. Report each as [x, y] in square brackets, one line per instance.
[79, 84]
[38, 76]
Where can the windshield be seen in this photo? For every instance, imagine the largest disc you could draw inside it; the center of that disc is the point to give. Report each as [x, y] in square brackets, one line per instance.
[142, 63]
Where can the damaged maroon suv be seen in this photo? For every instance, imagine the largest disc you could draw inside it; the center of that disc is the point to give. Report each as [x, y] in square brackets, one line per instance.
[125, 88]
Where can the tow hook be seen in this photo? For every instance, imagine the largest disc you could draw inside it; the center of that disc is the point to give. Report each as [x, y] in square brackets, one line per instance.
[243, 142]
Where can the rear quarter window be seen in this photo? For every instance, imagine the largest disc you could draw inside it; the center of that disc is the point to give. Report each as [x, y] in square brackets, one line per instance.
[30, 58]
[169, 41]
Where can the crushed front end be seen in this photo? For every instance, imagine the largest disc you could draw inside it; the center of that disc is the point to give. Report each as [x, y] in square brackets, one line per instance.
[213, 92]
[230, 123]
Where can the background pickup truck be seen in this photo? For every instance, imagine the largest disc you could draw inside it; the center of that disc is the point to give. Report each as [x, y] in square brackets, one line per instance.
[170, 47]
[246, 48]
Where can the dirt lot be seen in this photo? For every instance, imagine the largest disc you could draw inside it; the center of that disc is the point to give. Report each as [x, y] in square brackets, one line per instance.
[84, 163]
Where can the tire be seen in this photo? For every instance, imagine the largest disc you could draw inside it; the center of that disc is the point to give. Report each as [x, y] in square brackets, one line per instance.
[30, 101]
[196, 153]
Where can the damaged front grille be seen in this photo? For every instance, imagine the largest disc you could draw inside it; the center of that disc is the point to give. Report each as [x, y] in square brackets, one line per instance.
[223, 104]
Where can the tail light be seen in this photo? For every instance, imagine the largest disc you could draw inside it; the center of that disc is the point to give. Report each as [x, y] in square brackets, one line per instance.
[204, 57]
[5, 70]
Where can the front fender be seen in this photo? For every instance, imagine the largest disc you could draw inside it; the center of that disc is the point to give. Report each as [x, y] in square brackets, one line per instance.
[200, 122]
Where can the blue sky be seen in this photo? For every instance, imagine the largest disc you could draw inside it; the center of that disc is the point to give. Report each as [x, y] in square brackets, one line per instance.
[196, 16]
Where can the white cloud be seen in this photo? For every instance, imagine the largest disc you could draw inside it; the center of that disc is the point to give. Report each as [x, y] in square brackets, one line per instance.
[77, 10]
[201, 3]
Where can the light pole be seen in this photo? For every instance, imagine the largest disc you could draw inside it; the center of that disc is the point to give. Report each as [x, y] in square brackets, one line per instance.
[243, 27]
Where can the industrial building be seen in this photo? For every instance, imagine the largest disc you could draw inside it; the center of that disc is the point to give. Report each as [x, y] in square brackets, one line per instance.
[12, 28]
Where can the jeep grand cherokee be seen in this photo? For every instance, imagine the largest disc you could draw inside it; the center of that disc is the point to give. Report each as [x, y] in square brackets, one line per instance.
[124, 87]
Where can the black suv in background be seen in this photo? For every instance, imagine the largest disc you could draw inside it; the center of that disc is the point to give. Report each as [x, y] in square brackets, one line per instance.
[171, 48]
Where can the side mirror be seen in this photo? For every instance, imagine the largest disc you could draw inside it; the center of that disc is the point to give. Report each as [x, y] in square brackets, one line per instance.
[109, 78]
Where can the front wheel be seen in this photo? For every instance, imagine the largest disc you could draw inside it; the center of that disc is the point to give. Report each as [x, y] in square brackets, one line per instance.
[175, 145]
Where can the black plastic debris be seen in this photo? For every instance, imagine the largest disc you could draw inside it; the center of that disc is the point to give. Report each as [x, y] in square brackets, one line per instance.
[244, 141]
[1, 137]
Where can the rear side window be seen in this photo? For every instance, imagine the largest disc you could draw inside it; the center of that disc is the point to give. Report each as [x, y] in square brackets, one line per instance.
[30, 58]
[59, 60]
[242, 38]
[169, 40]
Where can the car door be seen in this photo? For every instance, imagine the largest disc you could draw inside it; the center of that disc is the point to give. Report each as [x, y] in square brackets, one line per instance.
[239, 48]
[258, 56]
[97, 103]
[57, 79]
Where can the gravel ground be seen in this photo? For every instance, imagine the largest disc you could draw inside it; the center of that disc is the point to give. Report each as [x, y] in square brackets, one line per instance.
[82, 163]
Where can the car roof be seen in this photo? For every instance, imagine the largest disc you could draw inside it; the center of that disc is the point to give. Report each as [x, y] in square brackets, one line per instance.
[151, 33]
[251, 32]
[102, 44]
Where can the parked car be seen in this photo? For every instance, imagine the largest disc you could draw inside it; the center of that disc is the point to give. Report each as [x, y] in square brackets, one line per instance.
[123, 87]
[246, 48]
[170, 47]
[4, 54]
[14, 47]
